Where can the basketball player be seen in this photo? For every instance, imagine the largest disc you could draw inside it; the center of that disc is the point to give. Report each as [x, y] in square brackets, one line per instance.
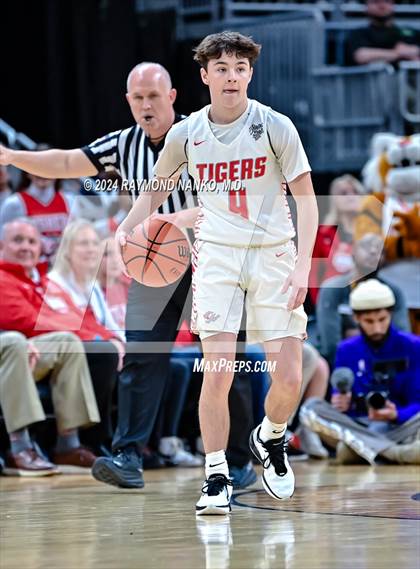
[153, 315]
[244, 244]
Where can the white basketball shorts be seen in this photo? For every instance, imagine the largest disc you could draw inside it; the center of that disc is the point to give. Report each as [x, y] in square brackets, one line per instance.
[221, 277]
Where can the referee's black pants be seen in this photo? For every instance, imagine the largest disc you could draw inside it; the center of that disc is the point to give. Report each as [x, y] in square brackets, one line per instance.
[102, 359]
[159, 311]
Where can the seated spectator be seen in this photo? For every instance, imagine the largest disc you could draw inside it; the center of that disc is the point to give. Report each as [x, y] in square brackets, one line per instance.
[5, 190]
[74, 273]
[332, 253]
[42, 201]
[75, 270]
[334, 316]
[114, 284]
[375, 410]
[59, 355]
[382, 40]
[33, 305]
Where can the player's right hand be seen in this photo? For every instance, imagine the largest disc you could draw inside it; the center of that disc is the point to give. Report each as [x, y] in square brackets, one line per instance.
[121, 238]
[297, 281]
[121, 242]
[5, 156]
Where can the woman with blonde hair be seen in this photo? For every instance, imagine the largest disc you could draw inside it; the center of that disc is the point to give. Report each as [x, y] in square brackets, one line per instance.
[76, 268]
[332, 253]
[74, 278]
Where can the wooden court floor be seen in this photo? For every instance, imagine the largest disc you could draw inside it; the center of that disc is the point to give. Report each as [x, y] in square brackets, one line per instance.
[340, 517]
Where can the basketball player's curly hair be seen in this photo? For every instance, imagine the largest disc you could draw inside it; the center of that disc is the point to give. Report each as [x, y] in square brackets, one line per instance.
[212, 47]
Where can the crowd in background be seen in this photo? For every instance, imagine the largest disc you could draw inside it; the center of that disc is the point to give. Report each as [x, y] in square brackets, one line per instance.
[64, 299]
[62, 285]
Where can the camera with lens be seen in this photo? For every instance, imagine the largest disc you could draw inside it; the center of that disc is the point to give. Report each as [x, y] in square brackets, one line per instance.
[384, 372]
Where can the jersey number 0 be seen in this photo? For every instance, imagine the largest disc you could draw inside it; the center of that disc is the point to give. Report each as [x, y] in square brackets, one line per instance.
[237, 202]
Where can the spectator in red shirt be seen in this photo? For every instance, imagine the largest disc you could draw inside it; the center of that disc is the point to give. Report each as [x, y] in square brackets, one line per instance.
[332, 253]
[33, 305]
[41, 200]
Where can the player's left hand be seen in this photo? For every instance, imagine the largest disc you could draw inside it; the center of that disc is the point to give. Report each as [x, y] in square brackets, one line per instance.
[298, 282]
[121, 241]
[387, 413]
[170, 217]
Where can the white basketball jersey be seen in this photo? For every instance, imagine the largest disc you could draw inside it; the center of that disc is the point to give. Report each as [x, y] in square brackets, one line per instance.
[255, 214]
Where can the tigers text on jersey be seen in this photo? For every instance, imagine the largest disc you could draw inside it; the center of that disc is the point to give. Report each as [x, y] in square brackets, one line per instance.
[264, 154]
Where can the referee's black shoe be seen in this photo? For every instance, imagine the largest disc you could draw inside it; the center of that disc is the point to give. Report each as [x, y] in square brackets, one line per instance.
[123, 469]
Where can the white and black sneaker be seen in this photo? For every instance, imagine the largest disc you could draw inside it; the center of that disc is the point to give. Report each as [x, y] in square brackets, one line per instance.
[278, 478]
[215, 496]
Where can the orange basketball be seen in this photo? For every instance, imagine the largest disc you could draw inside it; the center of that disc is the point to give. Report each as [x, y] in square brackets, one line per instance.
[157, 253]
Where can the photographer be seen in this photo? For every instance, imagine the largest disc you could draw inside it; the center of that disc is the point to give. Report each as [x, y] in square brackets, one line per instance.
[375, 405]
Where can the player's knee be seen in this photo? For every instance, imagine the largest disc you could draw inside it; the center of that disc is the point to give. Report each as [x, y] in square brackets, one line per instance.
[217, 383]
[290, 380]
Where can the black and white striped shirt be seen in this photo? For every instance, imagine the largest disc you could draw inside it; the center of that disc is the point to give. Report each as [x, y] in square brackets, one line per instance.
[130, 153]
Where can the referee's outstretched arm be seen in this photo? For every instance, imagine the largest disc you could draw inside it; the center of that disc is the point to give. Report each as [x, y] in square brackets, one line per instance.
[49, 163]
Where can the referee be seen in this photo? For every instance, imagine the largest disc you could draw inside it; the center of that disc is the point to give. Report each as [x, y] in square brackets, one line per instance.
[132, 153]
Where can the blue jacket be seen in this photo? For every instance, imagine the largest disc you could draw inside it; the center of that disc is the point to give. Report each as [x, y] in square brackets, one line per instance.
[356, 354]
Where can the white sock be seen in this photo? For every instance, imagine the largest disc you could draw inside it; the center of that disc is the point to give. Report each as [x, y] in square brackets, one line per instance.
[216, 463]
[271, 430]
